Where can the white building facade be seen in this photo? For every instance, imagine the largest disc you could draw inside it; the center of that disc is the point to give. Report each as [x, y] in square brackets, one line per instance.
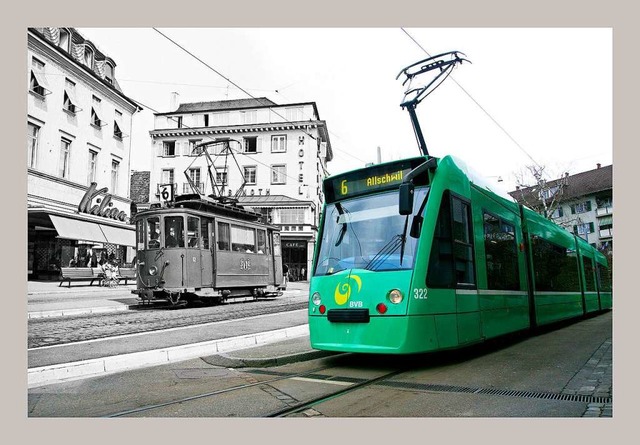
[78, 152]
[280, 152]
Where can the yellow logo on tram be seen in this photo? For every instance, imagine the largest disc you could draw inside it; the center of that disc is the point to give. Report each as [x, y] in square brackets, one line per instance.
[343, 289]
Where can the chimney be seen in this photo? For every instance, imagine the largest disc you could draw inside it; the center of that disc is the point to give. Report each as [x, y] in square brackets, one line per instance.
[175, 102]
[598, 164]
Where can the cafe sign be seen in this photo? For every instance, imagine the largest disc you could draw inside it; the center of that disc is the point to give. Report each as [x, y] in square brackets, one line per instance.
[103, 207]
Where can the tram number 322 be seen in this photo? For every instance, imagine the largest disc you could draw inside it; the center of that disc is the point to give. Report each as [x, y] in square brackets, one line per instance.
[420, 294]
[245, 264]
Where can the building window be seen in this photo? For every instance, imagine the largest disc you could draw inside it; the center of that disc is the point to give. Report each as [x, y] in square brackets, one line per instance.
[169, 148]
[294, 114]
[70, 102]
[167, 176]
[38, 83]
[557, 213]
[221, 175]
[251, 145]
[581, 207]
[117, 131]
[250, 175]
[194, 176]
[108, 73]
[292, 216]
[33, 131]
[220, 118]
[115, 170]
[206, 120]
[278, 144]
[88, 57]
[179, 121]
[65, 155]
[95, 112]
[64, 40]
[249, 117]
[193, 150]
[583, 229]
[278, 174]
[93, 161]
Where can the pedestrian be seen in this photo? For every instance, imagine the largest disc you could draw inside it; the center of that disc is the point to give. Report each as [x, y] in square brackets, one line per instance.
[303, 277]
[73, 262]
[285, 273]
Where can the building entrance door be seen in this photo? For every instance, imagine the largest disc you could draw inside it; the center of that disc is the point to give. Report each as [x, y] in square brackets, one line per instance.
[294, 255]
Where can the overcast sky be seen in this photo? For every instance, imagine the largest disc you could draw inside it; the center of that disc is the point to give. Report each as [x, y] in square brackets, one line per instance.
[540, 95]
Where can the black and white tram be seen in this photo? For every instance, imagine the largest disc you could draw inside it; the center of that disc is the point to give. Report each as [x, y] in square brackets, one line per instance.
[206, 248]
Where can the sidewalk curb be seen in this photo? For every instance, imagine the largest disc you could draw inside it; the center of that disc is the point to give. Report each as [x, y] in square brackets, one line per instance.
[228, 361]
[80, 311]
[58, 373]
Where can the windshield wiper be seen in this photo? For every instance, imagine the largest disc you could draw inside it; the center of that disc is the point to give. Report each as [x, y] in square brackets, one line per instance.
[343, 229]
[387, 250]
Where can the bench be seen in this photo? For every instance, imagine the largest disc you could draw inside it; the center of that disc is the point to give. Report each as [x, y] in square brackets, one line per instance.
[127, 274]
[79, 274]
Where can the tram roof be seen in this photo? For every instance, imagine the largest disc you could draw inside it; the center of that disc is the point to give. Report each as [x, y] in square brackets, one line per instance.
[206, 204]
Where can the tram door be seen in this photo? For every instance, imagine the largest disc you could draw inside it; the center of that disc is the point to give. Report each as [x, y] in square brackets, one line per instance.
[207, 252]
[277, 259]
[193, 260]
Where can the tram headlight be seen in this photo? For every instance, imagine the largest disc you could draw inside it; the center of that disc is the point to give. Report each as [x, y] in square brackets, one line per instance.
[153, 270]
[316, 299]
[395, 296]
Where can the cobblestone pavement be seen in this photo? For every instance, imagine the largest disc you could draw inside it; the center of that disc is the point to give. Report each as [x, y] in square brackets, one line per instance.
[595, 379]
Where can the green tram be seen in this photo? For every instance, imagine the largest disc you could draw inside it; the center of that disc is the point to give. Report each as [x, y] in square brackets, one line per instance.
[420, 255]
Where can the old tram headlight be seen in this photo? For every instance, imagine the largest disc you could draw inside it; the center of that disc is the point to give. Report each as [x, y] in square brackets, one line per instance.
[153, 270]
[316, 299]
[395, 296]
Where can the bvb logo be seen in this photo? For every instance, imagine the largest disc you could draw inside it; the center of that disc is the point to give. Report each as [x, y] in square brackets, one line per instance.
[343, 289]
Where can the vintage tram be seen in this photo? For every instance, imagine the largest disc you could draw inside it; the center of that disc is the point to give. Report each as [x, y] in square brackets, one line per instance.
[206, 248]
[421, 254]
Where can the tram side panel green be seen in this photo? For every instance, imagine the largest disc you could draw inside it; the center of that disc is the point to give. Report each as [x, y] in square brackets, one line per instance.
[591, 302]
[551, 306]
[382, 335]
[500, 313]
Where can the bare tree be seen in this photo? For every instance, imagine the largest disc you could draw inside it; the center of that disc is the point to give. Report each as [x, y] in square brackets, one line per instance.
[541, 195]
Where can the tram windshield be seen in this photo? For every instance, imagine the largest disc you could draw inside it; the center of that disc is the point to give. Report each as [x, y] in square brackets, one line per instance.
[367, 233]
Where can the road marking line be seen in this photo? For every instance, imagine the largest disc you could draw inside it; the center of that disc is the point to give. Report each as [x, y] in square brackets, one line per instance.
[333, 382]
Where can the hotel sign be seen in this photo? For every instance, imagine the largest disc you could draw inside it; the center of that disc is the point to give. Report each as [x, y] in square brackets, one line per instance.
[103, 207]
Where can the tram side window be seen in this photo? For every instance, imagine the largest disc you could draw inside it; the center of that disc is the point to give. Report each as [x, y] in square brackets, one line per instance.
[451, 262]
[174, 231]
[243, 239]
[276, 244]
[554, 267]
[153, 233]
[501, 254]
[204, 230]
[140, 235]
[605, 278]
[589, 281]
[224, 236]
[262, 241]
[193, 231]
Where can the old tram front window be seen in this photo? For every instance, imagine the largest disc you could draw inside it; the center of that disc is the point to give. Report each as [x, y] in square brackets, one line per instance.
[173, 231]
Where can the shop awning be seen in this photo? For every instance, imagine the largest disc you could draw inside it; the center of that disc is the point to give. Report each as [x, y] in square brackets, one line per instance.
[120, 236]
[77, 230]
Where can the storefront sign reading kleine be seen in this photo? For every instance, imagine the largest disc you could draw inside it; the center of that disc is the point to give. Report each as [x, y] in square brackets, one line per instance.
[103, 208]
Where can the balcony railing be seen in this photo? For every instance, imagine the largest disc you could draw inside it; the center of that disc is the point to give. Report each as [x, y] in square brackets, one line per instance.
[604, 211]
[606, 233]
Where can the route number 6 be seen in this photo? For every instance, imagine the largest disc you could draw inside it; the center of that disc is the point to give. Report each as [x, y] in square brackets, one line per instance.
[343, 187]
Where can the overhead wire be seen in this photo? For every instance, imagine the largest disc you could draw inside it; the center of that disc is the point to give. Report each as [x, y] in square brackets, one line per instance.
[478, 104]
[239, 87]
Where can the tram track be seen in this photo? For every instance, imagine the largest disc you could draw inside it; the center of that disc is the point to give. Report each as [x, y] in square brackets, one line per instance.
[181, 400]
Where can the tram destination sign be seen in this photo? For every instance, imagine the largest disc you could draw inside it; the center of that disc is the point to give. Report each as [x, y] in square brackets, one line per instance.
[369, 180]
